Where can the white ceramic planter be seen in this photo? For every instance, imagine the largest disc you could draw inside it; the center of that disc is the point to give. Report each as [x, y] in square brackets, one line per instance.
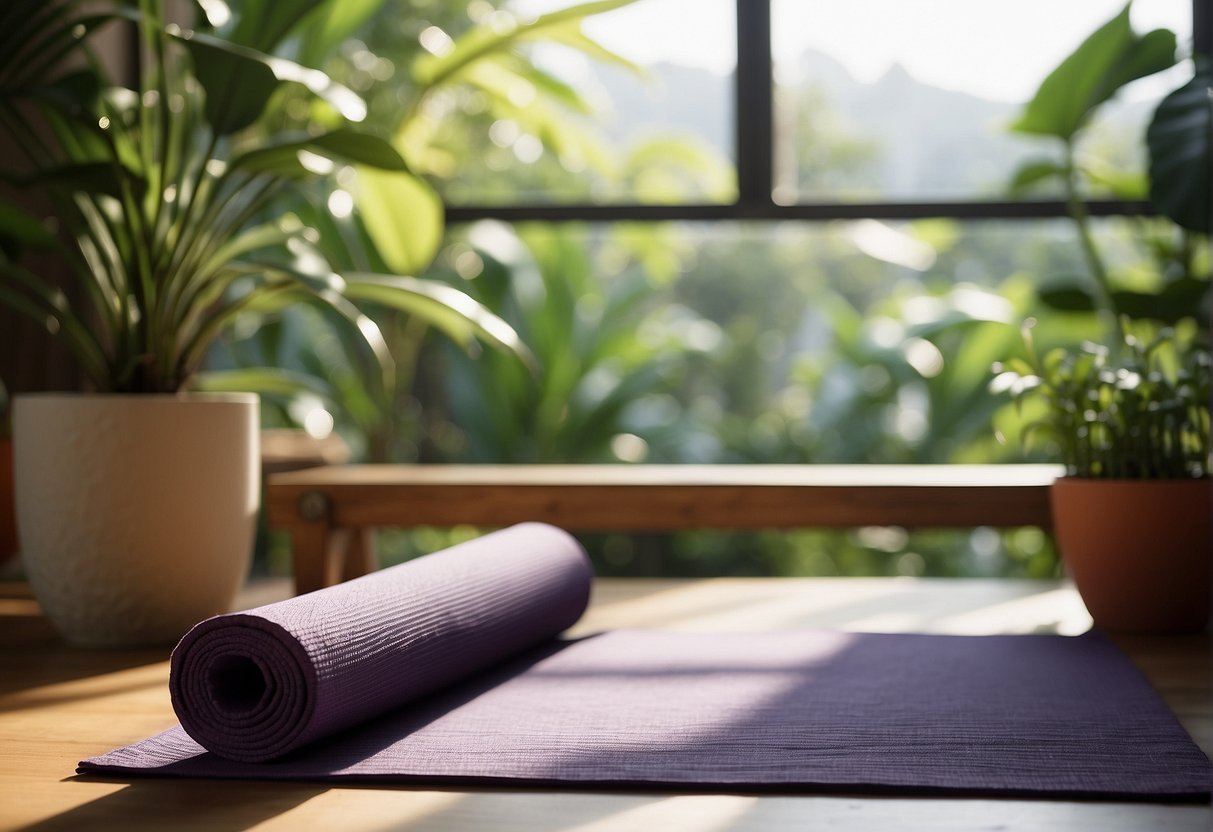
[135, 514]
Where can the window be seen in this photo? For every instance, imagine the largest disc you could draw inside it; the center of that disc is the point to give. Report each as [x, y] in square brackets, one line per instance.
[875, 108]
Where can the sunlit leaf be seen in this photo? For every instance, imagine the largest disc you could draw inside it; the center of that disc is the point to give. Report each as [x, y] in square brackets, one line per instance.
[344, 100]
[430, 70]
[239, 82]
[1110, 58]
[403, 216]
[344, 145]
[334, 22]
[267, 381]
[263, 25]
[455, 313]
[1033, 173]
[1121, 183]
[571, 34]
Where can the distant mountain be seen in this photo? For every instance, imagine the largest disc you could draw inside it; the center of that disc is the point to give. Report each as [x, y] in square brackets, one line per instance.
[932, 143]
[671, 99]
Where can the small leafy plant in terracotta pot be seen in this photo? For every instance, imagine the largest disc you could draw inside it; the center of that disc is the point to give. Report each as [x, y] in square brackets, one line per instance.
[1134, 514]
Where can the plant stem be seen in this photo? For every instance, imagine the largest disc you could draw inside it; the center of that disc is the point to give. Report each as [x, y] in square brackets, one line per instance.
[1095, 262]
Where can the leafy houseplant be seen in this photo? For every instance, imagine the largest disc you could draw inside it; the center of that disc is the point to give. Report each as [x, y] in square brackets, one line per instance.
[162, 216]
[1130, 417]
[1141, 413]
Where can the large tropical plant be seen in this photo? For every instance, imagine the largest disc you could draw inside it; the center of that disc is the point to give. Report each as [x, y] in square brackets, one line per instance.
[1177, 180]
[162, 191]
[454, 73]
[1135, 405]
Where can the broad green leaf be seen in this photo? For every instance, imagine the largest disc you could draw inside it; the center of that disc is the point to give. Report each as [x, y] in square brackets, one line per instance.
[544, 116]
[19, 227]
[570, 34]
[344, 100]
[1178, 141]
[455, 313]
[1067, 298]
[1032, 173]
[551, 87]
[1109, 59]
[334, 22]
[239, 82]
[345, 145]
[238, 86]
[1121, 183]
[263, 25]
[359, 148]
[667, 169]
[84, 177]
[1180, 299]
[403, 216]
[431, 70]
[72, 92]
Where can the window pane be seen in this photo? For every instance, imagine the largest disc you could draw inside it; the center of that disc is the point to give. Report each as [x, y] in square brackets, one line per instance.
[889, 100]
[656, 131]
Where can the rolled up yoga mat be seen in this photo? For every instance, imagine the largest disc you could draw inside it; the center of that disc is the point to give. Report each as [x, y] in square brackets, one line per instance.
[257, 685]
[448, 670]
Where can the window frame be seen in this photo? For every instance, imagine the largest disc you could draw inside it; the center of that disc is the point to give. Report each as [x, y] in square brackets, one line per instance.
[753, 116]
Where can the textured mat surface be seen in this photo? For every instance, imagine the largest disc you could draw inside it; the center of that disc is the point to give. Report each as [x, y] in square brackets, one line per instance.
[798, 710]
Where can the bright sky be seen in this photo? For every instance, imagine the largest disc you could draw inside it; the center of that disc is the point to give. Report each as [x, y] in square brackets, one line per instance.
[998, 49]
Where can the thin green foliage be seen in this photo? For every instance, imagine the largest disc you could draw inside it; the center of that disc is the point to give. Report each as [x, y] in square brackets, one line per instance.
[167, 194]
[1140, 412]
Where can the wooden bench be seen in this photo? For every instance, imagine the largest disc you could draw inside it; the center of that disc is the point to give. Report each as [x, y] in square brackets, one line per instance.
[331, 512]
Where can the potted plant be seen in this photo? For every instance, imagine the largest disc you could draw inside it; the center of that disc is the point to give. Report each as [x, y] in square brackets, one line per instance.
[1129, 416]
[136, 502]
[1132, 515]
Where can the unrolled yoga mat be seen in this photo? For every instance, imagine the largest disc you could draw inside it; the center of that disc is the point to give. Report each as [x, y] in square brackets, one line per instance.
[447, 670]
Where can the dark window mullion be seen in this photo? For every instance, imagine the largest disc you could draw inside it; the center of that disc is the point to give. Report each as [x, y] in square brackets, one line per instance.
[1202, 27]
[1037, 209]
[753, 108]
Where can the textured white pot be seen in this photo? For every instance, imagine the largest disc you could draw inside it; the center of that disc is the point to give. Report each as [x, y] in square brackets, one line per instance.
[135, 514]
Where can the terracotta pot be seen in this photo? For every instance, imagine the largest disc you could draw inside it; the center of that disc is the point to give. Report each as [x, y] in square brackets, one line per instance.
[1139, 551]
[135, 513]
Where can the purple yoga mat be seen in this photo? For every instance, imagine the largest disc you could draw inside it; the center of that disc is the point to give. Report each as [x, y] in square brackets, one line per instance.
[403, 677]
[257, 685]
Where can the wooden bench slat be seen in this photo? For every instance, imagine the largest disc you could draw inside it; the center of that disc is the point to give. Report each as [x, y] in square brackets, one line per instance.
[313, 505]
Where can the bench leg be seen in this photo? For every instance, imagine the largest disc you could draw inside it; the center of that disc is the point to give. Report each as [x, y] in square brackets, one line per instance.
[323, 555]
[359, 557]
[315, 551]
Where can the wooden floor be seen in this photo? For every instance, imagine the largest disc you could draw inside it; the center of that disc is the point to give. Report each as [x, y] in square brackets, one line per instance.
[58, 705]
